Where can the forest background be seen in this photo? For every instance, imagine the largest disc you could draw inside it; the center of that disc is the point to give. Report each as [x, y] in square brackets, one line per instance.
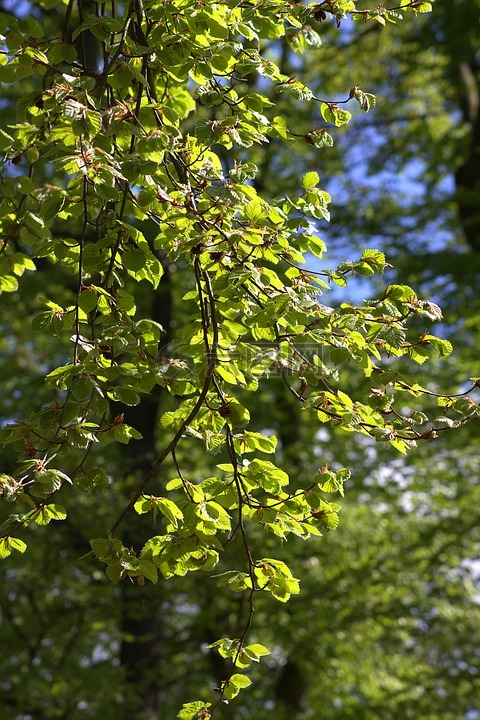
[387, 622]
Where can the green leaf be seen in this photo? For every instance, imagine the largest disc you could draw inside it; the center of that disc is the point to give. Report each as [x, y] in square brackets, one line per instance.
[234, 684]
[87, 301]
[171, 511]
[280, 125]
[234, 413]
[275, 577]
[422, 7]
[48, 481]
[109, 551]
[331, 113]
[256, 651]
[46, 513]
[266, 475]
[236, 581]
[240, 680]
[195, 709]
[7, 544]
[366, 101]
[115, 572]
[5, 549]
[310, 180]
[339, 355]
[93, 481]
[8, 283]
[6, 141]
[250, 441]
[214, 513]
[148, 570]
[25, 185]
[126, 395]
[167, 507]
[134, 260]
[17, 544]
[60, 52]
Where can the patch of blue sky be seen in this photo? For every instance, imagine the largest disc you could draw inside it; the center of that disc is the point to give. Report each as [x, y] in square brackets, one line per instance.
[20, 8]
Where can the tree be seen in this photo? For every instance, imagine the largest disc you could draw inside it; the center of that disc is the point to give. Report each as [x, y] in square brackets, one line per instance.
[168, 289]
[418, 130]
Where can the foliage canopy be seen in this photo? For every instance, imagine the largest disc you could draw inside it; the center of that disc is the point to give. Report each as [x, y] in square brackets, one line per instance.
[165, 278]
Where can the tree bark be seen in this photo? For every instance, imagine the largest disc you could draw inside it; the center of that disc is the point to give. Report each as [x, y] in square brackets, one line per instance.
[467, 176]
[142, 649]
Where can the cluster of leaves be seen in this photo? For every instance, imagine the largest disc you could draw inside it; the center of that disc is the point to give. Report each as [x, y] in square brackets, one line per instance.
[96, 159]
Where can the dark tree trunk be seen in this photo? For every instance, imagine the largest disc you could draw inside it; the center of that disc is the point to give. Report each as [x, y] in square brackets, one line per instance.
[467, 176]
[292, 687]
[141, 652]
